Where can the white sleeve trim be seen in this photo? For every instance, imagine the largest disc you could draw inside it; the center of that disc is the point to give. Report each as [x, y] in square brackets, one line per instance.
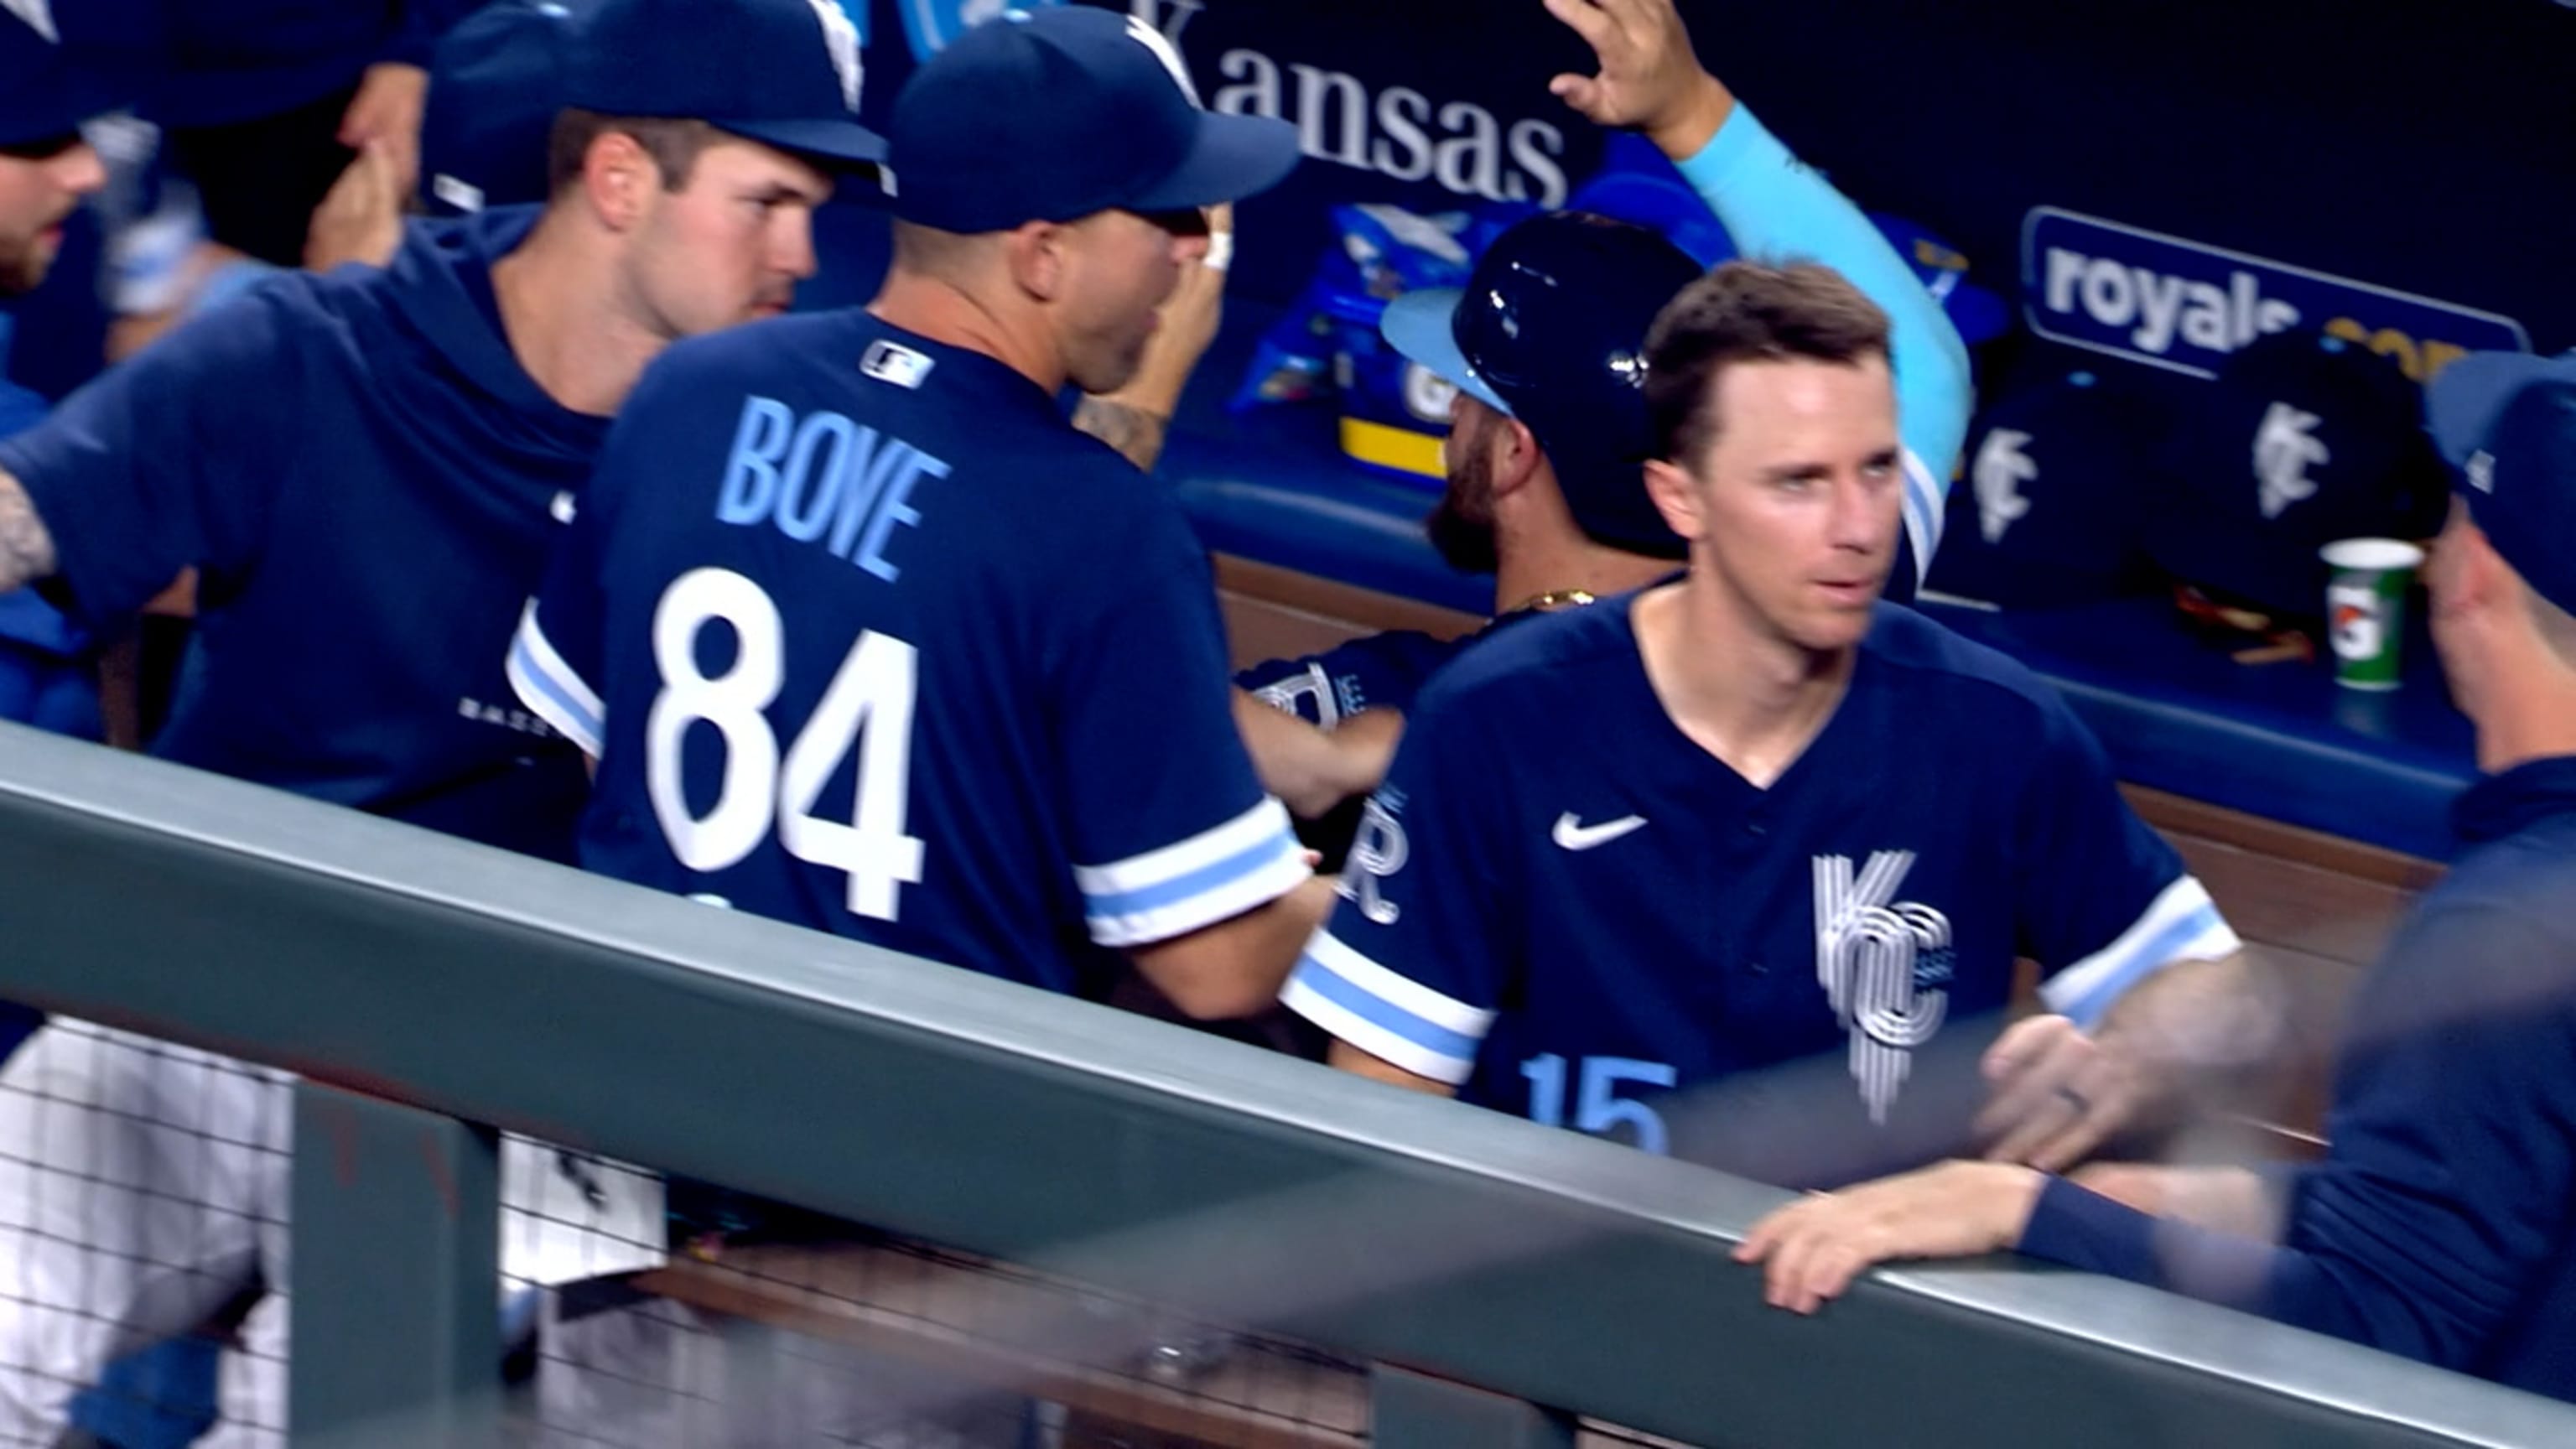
[1159, 867]
[2181, 924]
[1213, 876]
[1402, 992]
[553, 690]
[1388, 1016]
[1372, 1038]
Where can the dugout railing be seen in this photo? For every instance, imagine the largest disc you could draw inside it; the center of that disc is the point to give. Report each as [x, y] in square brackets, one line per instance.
[1501, 1276]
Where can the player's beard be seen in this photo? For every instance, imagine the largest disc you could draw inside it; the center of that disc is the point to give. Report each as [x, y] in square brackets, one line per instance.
[1462, 525]
[23, 263]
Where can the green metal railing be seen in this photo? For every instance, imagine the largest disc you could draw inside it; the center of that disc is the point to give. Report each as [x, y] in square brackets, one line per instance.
[452, 985]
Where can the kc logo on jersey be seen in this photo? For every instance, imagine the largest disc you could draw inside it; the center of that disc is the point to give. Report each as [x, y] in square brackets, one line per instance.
[1884, 964]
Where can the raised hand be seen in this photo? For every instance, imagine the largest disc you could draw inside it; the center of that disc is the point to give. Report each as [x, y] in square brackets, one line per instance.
[1650, 79]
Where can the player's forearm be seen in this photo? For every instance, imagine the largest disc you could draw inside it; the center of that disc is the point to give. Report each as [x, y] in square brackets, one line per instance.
[1236, 967]
[2235, 1200]
[26, 547]
[1312, 770]
[1348, 1058]
[2193, 1021]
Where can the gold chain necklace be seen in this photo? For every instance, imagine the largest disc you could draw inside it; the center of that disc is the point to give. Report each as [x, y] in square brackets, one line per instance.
[1552, 599]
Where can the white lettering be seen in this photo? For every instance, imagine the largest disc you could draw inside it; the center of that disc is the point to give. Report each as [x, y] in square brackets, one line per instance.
[1318, 90]
[2160, 306]
[2109, 295]
[1338, 120]
[2204, 318]
[1258, 93]
[1402, 114]
[1535, 147]
[1470, 164]
[2065, 269]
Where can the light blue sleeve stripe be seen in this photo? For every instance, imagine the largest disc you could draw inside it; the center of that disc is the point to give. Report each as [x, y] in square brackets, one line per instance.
[1778, 210]
[1432, 1037]
[2152, 955]
[1258, 856]
[554, 692]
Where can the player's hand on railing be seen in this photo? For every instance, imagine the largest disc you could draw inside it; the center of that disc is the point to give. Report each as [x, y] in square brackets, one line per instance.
[1812, 1249]
[361, 219]
[1650, 79]
[2055, 1094]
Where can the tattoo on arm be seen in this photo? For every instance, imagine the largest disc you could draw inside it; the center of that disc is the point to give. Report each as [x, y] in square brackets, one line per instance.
[1134, 432]
[26, 549]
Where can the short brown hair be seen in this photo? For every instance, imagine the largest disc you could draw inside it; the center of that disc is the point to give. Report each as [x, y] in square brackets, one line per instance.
[1748, 312]
[674, 145]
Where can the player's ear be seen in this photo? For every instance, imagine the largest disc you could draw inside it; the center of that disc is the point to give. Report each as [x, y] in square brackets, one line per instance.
[619, 177]
[2447, 562]
[1517, 455]
[1039, 261]
[1674, 498]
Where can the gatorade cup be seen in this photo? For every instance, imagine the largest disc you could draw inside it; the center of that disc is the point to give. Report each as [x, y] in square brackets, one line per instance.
[2366, 607]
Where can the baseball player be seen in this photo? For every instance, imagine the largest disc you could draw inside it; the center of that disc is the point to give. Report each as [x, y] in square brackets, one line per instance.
[46, 169]
[2437, 1224]
[1549, 431]
[865, 636]
[367, 521]
[1737, 867]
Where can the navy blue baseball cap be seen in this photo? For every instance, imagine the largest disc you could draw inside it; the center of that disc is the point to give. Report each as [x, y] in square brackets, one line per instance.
[2303, 439]
[2507, 422]
[2049, 513]
[1061, 113]
[44, 97]
[785, 73]
[496, 83]
[1551, 329]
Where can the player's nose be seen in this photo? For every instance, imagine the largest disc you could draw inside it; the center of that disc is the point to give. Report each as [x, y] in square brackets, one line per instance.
[792, 248]
[79, 171]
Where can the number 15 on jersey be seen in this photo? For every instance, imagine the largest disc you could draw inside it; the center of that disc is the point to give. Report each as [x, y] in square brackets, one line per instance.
[869, 703]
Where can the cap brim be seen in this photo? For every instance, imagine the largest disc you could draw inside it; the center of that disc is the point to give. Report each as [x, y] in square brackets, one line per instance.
[2463, 401]
[56, 104]
[1418, 324]
[828, 140]
[1233, 157]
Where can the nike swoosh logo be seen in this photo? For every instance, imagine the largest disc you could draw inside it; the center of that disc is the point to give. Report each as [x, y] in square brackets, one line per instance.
[1573, 834]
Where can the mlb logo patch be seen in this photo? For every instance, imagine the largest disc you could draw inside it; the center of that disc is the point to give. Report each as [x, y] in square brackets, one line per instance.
[901, 366]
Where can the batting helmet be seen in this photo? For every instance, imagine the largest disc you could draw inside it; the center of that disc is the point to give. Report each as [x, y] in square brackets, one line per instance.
[1551, 330]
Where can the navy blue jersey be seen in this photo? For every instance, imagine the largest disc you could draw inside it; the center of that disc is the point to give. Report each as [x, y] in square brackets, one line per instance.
[868, 638]
[367, 482]
[1374, 671]
[1563, 905]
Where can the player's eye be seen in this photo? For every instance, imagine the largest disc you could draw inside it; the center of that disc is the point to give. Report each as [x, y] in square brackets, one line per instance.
[1187, 221]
